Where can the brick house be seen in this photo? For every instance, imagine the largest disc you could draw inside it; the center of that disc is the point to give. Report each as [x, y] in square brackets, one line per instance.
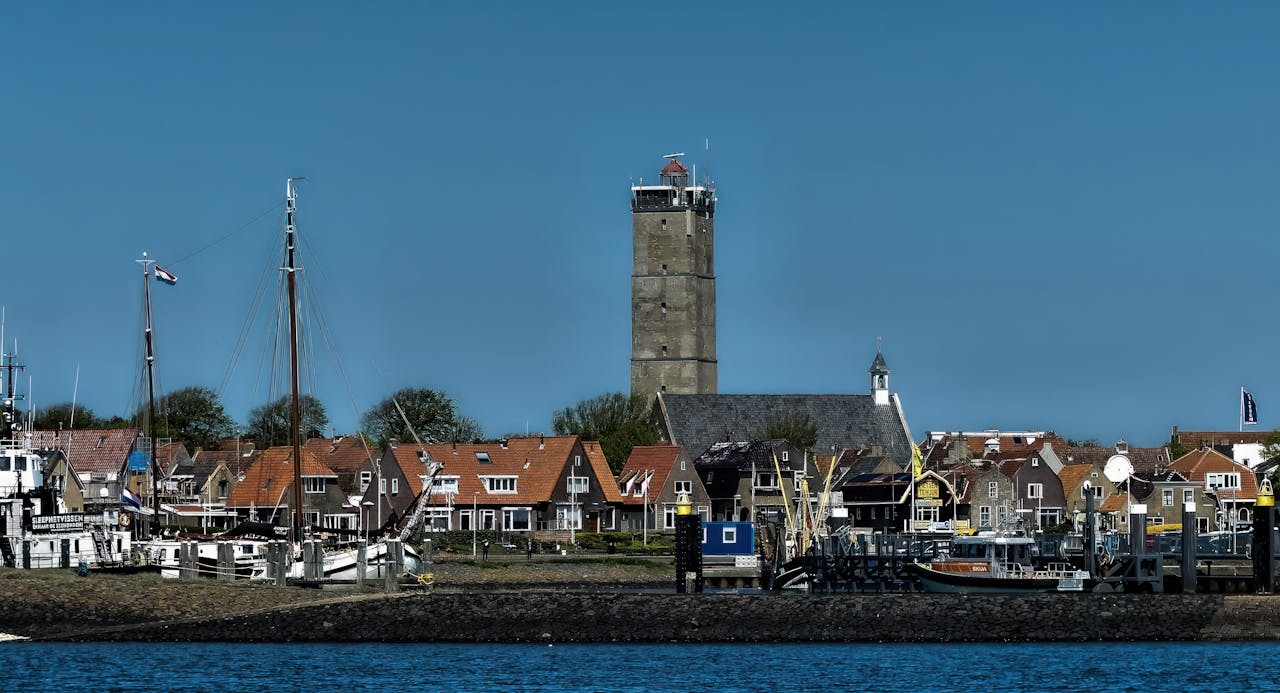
[266, 493]
[651, 482]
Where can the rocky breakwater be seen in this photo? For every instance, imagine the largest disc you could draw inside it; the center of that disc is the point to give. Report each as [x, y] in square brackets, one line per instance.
[576, 617]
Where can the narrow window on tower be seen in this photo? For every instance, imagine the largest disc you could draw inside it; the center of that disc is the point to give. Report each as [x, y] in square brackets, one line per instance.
[664, 224]
[664, 388]
[664, 307]
[664, 267]
[664, 349]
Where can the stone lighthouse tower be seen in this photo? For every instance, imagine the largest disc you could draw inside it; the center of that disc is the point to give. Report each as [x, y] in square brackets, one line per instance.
[673, 284]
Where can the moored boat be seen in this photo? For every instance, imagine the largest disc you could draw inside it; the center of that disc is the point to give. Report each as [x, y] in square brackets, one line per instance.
[996, 562]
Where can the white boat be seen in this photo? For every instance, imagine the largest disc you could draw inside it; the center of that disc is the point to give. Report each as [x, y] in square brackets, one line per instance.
[343, 564]
[996, 562]
[250, 556]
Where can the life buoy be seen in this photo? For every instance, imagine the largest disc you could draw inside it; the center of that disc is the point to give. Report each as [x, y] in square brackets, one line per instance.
[124, 520]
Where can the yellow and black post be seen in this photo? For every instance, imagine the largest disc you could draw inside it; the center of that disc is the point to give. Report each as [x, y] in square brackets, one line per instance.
[1264, 522]
[688, 547]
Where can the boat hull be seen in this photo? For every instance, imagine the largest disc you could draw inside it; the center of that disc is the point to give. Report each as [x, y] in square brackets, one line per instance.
[977, 583]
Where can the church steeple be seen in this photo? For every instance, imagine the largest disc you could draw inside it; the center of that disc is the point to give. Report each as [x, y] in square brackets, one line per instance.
[879, 378]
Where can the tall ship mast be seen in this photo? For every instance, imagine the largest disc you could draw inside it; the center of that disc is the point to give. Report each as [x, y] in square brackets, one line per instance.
[295, 408]
[150, 429]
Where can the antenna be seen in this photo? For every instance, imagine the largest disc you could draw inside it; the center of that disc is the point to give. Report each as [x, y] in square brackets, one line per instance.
[75, 390]
[677, 155]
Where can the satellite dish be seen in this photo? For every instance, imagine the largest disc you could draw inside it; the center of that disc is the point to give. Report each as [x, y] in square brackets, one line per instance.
[1117, 469]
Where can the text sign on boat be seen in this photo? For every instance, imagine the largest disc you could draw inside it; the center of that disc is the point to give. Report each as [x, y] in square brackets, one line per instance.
[49, 524]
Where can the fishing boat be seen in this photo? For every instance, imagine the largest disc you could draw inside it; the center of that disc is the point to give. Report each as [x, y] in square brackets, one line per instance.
[996, 562]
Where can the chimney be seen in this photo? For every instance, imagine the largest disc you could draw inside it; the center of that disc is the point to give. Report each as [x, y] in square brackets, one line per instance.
[542, 441]
[503, 443]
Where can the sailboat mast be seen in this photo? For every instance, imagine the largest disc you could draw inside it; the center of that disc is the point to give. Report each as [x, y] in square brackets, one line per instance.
[295, 418]
[151, 389]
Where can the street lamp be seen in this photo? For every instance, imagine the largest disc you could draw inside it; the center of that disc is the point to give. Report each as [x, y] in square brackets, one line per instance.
[475, 517]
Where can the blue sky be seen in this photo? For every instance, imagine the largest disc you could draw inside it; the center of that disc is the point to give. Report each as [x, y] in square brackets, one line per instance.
[1057, 215]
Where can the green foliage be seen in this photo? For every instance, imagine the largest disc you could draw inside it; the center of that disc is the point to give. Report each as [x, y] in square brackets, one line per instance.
[431, 412]
[1270, 446]
[269, 423]
[800, 431]
[1177, 449]
[194, 416]
[619, 421]
[58, 416]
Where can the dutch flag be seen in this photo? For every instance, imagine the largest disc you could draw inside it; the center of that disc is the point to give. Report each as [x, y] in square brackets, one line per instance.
[130, 498]
[165, 277]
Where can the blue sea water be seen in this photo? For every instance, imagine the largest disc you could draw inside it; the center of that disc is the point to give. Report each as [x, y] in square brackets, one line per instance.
[1008, 668]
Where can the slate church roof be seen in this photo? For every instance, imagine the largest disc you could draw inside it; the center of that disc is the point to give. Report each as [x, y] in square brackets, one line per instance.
[843, 421]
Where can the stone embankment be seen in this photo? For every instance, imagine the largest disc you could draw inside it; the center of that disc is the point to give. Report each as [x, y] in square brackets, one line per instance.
[146, 609]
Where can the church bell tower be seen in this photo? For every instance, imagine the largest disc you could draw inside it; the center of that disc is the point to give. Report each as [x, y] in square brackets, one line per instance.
[673, 283]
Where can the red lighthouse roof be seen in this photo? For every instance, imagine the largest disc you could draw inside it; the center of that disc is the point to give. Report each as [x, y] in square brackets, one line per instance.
[674, 167]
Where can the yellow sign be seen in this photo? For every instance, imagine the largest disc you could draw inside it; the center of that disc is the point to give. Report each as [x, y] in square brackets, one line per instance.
[961, 524]
[928, 489]
[929, 503]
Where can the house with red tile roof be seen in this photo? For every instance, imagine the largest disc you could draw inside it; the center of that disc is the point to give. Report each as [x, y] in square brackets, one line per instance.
[528, 484]
[99, 458]
[651, 483]
[1243, 447]
[266, 494]
[1232, 488]
[1074, 478]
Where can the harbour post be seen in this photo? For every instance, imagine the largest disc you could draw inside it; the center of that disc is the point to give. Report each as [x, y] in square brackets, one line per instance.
[688, 547]
[1090, 530]
[393, 558]
[66, 552]
[226, 560]
[308, 559]
[282, 563]
[362, 561]
[1264, 513]
[26, 554]
[184, 560]
[1189, 547]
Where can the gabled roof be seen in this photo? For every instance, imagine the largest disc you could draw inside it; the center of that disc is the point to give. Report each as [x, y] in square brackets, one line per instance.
[745, 456]
[600, 465]
[167, 455]
[878, 366]
[205, 461]
[674, 167]
[344, 455]
[658, 459]
[267, 481]
[1196, 464]
[843, 421]
[1142, 459]
[90, 450]
[976, 443]
[1072, 475]
[536, 462]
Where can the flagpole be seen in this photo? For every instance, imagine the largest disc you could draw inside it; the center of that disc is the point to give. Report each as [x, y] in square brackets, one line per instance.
[1241, 430]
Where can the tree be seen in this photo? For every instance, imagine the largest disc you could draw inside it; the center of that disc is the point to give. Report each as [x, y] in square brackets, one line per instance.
[800, 431]
[59, 416]
[1270, 447]
[269, 423]
[431, 413]
[194, 416]
[620, 422]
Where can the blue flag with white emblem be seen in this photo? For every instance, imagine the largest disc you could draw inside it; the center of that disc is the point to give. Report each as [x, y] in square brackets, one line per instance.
[1248, 408]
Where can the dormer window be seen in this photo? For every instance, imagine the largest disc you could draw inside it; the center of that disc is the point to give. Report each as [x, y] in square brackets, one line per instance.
[499, 484]
[483, 458]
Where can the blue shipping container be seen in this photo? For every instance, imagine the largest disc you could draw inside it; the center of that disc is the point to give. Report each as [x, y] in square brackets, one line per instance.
[728, 539]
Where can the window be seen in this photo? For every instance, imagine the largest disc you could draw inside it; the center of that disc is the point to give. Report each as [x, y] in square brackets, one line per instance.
[515, 519]
[577, 460]
[1155, 521]
[313, 484]
[984, 516]
[1097, 492]
[664, 349]
[664, 307]
[799, 483]
[483, 458]
[684, 487]
[993, 489]
[438, 520]
[729, 535]
[486, 519]
[499, 484]
[1049, 517]
[342, 521]
[639, 491]
[664, 227]
[683, 465]
[1202, 525]
[668, 516]
[382, 486]
[443, 485]
[785, 456]
[1227, 480]
[395, 487]
[578, 484]
[1166, 498]
[1035, 490]
[366, 478]
[222, 489]
[1035, 462]
[313, 518]
[568, 517]
[766, 480]
[1188, 495]
[464, 519]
